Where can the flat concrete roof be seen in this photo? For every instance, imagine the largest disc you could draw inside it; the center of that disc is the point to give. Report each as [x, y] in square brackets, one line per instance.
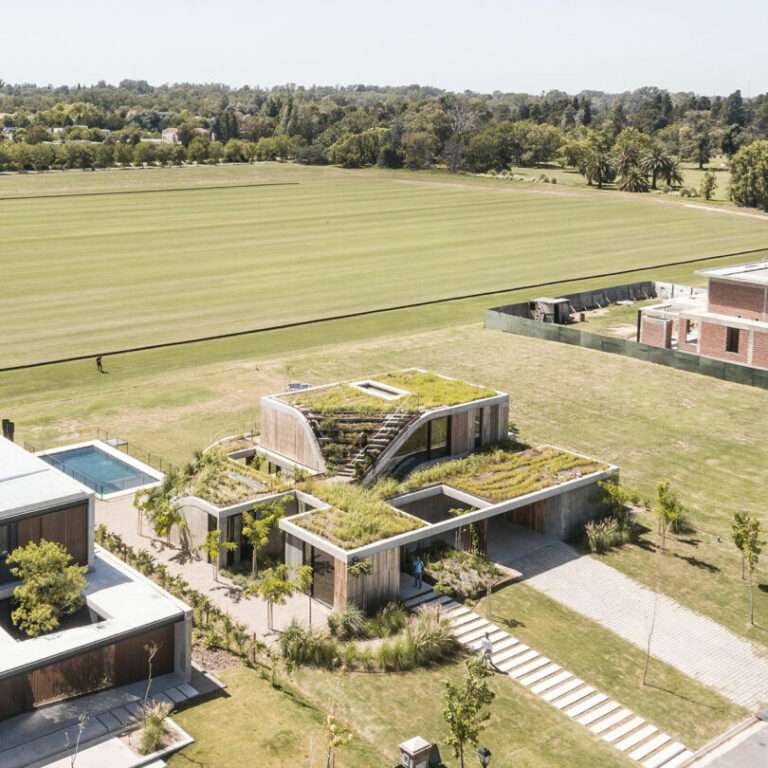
[28, 483]
[755, 273]
[127, 601]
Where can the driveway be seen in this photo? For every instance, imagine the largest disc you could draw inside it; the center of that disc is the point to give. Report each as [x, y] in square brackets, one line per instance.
[688, 641]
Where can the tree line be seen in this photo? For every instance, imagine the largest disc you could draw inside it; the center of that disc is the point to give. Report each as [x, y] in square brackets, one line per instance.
[635, 139]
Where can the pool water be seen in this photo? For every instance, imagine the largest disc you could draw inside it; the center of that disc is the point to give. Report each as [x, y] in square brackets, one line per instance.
[97, 469]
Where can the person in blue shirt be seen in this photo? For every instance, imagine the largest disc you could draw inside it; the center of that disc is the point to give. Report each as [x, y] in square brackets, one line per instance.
[418, 572]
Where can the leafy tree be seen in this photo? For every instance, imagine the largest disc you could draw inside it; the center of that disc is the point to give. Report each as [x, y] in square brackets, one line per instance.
[465, 707]
[51, 586]
[746, 533]
[739, 526]
[749, 176]
[669, 510]
[257, 526]
[338, 734]
[275, 587]
[303, 579]
[197, 151]
[708, 185]
[213, 546]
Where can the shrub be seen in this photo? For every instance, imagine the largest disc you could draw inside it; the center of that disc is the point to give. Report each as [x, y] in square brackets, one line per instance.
[604, 534]
[433, 637]
[153, 734]
[388, 621]
[51, 586]
[305, 646]
[348, 624]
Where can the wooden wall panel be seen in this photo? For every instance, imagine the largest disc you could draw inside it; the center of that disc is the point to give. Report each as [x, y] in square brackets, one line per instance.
[115, 664]
[381, 586]
[68, 527]
[131, 655]
[340, 578]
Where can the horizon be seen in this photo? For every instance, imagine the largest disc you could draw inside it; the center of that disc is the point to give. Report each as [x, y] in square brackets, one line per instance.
[518, 47]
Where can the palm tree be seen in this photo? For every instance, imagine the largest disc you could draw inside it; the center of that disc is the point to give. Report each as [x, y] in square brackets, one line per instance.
[657, 164]
[633, 180]
[598, 167]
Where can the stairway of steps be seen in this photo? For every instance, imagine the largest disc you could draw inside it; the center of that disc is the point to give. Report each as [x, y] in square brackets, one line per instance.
[603, 717]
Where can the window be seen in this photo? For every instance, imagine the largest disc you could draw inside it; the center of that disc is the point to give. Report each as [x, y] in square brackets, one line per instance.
[691, 331]
[8, 542]
[731, 339]
[439, 438]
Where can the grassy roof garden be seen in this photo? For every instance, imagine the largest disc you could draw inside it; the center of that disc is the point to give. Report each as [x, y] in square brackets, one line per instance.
[426, 390]
[356, 516]
[222, 481]
[503, 474]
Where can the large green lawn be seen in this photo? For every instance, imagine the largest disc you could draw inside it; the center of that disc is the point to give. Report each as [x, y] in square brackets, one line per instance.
[91, 273]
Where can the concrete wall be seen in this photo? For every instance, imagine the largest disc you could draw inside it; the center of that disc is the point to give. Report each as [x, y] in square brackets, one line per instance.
[196, 529]
[285, 431]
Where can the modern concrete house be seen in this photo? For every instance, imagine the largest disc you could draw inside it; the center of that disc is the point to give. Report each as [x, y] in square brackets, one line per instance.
[374, 468]
[730, 324]
[373, 427]
[101, 646]
[459, 502]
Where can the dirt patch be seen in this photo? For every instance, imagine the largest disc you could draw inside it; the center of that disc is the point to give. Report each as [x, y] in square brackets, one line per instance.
[213, 660]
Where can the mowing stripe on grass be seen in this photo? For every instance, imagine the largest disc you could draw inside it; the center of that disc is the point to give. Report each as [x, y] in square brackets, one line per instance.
[368, 312]
[151, 191]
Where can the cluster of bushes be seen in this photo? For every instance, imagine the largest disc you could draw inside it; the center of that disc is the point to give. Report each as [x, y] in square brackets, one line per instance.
[457, 573]
[424, 639]
[211, 626]
[353, 624]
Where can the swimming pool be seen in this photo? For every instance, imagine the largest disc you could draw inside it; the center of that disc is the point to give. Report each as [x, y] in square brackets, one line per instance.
[102, 468]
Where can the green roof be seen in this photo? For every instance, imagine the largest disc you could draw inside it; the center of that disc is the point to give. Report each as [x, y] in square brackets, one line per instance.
[426, 391]
[224, 482]
[356, 517]
[503, 474]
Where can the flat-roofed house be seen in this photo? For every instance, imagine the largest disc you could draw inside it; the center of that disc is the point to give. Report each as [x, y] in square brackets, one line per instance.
[731, 325]
[104, 645]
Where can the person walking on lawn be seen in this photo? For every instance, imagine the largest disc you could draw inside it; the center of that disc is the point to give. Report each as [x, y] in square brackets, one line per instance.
[418, 572]
[486, 649]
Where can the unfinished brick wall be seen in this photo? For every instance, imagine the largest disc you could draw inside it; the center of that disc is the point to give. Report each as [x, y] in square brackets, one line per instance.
[656, 332]
[712, 343]
[760, 349]
[748, 301]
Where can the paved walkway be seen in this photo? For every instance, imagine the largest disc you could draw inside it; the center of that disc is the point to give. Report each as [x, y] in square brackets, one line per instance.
[120, 517]
[688, 641]
[48, 734]
[605, 718]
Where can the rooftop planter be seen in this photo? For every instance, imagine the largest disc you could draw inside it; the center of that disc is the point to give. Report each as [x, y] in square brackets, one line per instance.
[355, 517]
[502, 474]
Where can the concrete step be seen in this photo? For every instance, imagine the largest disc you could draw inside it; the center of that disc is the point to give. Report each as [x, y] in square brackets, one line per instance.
[573, 697]
[596, 714]
[470, 626]
[467, 638]
[425, 597]
[555, 693]
[608, 722]
[551, 682]
[676, 762]
[464, 619]
[636, 738]
[531, 666]
[623, 729]
[518, 661]
[460, 611]
[650, 746]
[504, 644]
[586, 705]
[496, 636]
[540, 674]
[662, 758]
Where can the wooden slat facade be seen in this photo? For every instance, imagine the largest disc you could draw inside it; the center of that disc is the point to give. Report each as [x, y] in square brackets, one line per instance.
[381, 586]
[67, 526]
[114, 664]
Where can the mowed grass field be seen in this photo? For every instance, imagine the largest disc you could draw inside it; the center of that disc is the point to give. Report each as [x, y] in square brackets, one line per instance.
[85, 273]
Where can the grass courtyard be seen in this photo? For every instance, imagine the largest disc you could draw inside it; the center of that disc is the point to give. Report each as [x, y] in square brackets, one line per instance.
[95, 272]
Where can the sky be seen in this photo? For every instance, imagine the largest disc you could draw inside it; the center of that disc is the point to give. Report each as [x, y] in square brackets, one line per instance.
[704, 46]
